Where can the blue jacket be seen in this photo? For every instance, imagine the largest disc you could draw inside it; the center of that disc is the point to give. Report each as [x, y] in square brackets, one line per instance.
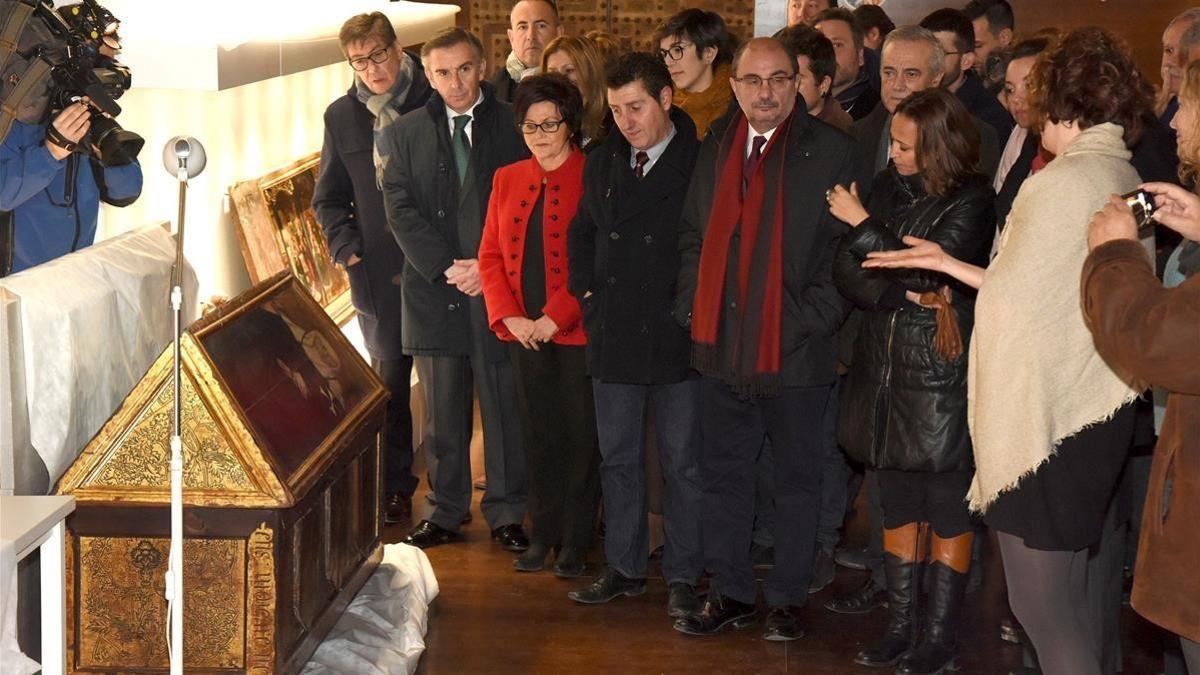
[50, 220]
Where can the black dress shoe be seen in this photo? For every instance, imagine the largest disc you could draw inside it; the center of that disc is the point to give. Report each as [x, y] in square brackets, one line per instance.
[428, 535]
[852, 558]
[869, 596]
[570, 563]
[783, 625]
[533, 559]
[717, 614]
[682, 600]
[511, 537]
[610, 585]
[824, 570]
[397, 508]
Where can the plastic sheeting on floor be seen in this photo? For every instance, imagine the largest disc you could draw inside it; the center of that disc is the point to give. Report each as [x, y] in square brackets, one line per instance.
[383, 629]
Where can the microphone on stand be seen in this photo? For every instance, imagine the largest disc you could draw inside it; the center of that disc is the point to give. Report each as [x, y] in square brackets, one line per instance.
[184, 158]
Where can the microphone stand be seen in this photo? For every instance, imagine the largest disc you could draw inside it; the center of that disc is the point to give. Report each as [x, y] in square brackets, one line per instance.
[174, 581]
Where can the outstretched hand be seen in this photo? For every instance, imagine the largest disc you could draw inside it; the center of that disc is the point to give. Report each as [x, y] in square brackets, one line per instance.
[922, 254]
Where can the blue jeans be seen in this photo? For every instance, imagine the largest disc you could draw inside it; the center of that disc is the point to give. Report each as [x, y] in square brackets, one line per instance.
[620, 421]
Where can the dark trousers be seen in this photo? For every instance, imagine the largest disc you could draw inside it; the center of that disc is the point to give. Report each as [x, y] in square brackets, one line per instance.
[620, 414]
[448, 383]
[939, 499]
[397, 432]
[559, 423]
[734, 430]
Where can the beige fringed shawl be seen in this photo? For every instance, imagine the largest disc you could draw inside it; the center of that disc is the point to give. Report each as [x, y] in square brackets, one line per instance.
[1035, 377]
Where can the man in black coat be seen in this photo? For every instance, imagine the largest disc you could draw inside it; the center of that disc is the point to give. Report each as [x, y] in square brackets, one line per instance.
[624, 263]
[437, 178]
[532, 25]
[912, 60]
[756, 286]
[956, 34]
[349, 207]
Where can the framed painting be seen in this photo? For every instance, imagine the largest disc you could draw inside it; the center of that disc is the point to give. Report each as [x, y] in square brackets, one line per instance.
[278, 231]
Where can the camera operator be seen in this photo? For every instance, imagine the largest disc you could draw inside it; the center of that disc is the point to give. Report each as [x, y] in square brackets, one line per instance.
[53, 187]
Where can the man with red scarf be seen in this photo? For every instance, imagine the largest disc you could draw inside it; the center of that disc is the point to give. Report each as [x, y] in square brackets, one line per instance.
[756, 287]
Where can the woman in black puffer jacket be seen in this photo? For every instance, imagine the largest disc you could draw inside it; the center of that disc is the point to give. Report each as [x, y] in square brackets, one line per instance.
[904, 412]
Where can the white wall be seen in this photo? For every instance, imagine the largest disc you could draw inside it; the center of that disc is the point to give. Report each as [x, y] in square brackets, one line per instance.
[247, 132]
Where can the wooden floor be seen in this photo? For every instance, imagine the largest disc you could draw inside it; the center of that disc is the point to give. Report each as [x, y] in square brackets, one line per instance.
[491, 619]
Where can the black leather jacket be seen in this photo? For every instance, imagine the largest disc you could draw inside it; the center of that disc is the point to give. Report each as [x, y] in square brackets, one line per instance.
[904, 406]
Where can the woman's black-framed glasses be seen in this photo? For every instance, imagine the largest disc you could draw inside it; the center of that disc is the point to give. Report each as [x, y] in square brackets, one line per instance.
[549, 126]
[675, 51]
[378, 56]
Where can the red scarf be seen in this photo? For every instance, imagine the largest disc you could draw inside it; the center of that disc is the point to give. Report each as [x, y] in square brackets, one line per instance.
[751, 363]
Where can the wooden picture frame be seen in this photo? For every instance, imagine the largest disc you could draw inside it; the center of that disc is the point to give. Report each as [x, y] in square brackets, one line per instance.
[278, 230]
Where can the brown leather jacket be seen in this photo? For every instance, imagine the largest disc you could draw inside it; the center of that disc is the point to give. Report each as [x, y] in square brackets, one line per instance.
[1151, 335]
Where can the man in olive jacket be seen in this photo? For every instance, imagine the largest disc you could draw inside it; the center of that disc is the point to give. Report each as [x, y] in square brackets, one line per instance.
[437, 178]
[624, 261]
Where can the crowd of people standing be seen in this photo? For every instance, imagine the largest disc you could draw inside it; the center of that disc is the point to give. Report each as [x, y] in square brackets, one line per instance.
[851, 254]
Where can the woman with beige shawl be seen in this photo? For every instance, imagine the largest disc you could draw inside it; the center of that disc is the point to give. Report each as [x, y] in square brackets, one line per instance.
[1051, 423]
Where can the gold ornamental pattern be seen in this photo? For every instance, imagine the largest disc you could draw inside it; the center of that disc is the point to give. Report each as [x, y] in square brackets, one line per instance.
[260, 633]
[122, 614]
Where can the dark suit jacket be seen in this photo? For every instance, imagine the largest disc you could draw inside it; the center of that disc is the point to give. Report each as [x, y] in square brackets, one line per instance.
[624, 248]
[503, 84]
[985, 106]
[423, 197]
[349, 207]
[818, 157]
[868, 132]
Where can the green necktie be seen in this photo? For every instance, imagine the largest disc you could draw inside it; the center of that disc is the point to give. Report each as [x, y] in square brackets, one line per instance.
[462, 146]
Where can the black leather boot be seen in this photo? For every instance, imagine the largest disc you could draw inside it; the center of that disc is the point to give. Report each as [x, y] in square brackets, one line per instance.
[937, 649]
[902, 578]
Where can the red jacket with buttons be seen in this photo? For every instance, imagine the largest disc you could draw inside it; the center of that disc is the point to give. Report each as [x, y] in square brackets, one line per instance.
[515, 190]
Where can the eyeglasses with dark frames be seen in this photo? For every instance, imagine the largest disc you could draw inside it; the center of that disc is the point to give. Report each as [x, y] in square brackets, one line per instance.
[774, 81]
[549, 126]
[676, 51]
[378, 56]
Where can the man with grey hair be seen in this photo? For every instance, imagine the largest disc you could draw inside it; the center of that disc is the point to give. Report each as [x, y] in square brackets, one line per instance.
[1180, 39]
[912, 60]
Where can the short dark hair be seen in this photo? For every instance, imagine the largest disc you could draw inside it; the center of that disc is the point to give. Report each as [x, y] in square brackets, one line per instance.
[704, 29]
[948, 20]
[1089, 77]
[947, 139]
[810, 42]
[362, 26]
[787, 49]
[873, 16]
[1031, 47]
[450, 37]
[553, 88]
[642, 67]
[845, 16]
[999, 14]
[553, 5]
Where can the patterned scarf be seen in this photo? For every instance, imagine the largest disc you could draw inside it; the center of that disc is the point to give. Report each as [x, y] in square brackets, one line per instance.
[386, 107]
[751, 363]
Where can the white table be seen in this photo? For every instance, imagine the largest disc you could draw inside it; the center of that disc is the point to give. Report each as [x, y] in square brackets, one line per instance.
[29, 523]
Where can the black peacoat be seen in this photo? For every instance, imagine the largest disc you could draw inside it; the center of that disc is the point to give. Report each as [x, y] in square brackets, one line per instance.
[349, 207]
[623, 247]
[424, 202]
[818, 157]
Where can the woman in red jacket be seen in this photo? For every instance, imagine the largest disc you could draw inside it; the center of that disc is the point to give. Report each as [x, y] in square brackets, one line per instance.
[523, 265]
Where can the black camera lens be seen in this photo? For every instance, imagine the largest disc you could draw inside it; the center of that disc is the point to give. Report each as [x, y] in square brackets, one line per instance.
[114, 146]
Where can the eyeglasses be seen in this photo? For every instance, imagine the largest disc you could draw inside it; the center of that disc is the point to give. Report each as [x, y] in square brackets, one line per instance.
[675, 52]
[378, 56]
[756, 81]
[549, 126]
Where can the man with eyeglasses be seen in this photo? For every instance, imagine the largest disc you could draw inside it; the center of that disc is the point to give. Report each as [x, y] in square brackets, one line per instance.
[388, 82]
[437, 178]
[624, 262]
[954, 30]
[532, 25]
[756, 289]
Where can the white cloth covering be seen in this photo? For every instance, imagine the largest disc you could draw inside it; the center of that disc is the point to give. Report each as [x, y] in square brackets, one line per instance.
[383, 630]
[91, 323]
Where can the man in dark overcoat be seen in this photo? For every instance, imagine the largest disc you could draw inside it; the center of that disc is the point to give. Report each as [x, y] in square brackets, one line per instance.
[437, 178]
[388, 82]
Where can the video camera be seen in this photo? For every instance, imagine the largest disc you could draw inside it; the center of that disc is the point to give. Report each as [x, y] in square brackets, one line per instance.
[79, 45]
